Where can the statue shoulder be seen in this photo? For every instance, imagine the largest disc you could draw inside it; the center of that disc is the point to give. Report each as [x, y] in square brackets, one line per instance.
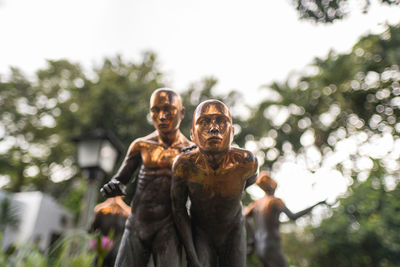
[139, 143]
[277, 203]
[148, 139]
[153, 137]
[184, 161]
[247, 161]
[243, 155]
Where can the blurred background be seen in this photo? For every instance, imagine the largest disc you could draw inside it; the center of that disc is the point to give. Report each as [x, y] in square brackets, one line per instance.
[313, 86]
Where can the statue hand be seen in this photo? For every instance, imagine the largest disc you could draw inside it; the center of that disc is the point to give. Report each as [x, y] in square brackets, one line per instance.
[113, 188]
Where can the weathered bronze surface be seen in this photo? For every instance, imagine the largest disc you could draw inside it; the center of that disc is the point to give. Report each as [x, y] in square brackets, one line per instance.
[110, 217]
[150, 228]
[265, 236]
[213, 176]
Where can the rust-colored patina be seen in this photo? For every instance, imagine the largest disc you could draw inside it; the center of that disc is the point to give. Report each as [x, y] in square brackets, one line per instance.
[150, 229]
[109, 220]
[114, 205]
[213, 176]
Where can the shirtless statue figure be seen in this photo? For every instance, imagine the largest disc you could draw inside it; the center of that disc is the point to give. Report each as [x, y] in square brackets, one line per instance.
[110, 218]
[150, 228]
[213, 176]
[265, 212]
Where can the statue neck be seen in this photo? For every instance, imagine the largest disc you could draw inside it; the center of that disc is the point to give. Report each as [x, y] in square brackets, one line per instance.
[216, 160]
[168, 139]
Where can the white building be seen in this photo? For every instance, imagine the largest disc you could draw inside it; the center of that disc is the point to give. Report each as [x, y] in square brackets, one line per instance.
[41, 219]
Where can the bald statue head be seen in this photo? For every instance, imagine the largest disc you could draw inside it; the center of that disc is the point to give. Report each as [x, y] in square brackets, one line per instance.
[266, 183]
[166, 110]
[212, 129]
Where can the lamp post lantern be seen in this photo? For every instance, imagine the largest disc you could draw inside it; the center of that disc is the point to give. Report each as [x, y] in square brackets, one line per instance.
[97, 154]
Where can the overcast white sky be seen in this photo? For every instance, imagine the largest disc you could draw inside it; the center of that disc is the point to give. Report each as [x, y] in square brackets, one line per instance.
[245, 44]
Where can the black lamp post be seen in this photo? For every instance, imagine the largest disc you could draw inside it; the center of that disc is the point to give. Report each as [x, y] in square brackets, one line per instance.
[97, 154]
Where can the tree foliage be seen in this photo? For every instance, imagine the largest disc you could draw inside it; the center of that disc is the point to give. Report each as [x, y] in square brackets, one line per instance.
[347, 96]
[362, 230]
[350, 103]
[39, 119]
[327, 11]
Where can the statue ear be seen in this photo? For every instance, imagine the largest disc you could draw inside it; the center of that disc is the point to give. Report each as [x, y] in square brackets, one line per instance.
[232, 133]
[191, 134]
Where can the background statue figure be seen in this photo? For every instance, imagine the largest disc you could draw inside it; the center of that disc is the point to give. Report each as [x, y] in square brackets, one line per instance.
[266, 211]
[150, 229]
[110, 217]
[213, 176]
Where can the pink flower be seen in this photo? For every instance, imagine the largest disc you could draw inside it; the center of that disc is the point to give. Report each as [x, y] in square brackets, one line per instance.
[106, 243]
[101, 244]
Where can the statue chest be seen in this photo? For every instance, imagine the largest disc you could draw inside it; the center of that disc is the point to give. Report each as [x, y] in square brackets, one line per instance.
[225, 183]
[157, 156]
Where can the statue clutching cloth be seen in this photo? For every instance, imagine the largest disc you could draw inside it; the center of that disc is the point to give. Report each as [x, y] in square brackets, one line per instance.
[213, 176]
[150, 229]
[266, 211]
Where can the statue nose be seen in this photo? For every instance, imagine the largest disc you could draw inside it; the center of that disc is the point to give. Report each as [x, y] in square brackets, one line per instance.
[214, 129]
[163, 116]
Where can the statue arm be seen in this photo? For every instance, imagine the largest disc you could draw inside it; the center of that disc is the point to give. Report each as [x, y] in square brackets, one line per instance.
[129, 165]
[117, 185]
[179, 195]
[295, 216]
[251, 179]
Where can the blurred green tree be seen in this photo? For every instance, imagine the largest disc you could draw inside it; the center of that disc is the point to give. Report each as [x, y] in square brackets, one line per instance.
[344, 97]
[40, 117]
[327, 11]
[361, 231]
[343, 113]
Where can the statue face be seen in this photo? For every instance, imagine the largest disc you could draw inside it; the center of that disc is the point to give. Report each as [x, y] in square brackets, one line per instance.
[212, 129]
[166, 110]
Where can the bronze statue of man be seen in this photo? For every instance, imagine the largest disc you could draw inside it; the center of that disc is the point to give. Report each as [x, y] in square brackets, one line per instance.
[150, 228]
[213, 176]
[110, 218]
[266, 211]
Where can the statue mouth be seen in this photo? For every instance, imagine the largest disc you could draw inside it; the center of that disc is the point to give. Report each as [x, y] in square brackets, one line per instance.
[214, 139]
[163, 125]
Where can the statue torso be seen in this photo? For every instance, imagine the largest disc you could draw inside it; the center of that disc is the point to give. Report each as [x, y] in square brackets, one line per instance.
[151, 205]
[216, 194]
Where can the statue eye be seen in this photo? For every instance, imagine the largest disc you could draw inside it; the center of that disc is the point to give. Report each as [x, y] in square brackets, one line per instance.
[221, 120]
[204, 121]
[169, 109]
[155, 109]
